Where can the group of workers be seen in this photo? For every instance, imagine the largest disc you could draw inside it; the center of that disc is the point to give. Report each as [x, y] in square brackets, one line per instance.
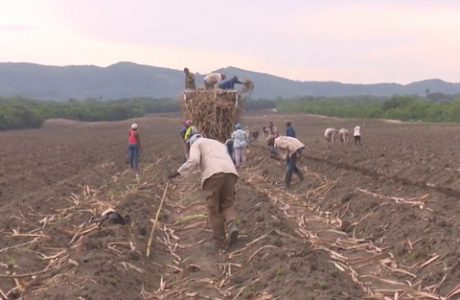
[331, 133]
[211, 81]
[218, 164]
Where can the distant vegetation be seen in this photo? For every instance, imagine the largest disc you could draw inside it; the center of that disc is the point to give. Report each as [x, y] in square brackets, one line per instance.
[404, 108]
[18, 113]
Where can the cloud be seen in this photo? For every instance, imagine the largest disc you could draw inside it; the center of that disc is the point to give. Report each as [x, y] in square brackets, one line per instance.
[15, 27]
[350, 41]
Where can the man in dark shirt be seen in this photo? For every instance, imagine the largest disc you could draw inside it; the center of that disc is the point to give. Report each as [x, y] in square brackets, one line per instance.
[290, 130]
[230, 84]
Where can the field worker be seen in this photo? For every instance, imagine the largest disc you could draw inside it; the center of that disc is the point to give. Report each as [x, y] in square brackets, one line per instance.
[183, 131]
[189, 80]
[290, 130]
[211, 80]
[329, 134]
[343, 135]
[289, 148]
[357, 134]
[230, 84]
[134, 148]
[271, 145]
[218, 179]
[273, 130]
[240, 143]
[191, 130]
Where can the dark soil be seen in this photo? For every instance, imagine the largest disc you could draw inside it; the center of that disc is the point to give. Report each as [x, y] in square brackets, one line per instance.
[380, 219]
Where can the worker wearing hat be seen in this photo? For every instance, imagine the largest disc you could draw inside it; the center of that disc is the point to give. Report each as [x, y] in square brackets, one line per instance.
[218, 179]
[240, 143]
[191, 130]
[289, 148]
[134, 147]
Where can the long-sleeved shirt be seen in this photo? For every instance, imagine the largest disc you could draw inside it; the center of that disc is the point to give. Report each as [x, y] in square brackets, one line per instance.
[240, 138]
[212, 158]
[287, 146]
[229, 84]
[213, 78]
[290, 131]
[330, 133]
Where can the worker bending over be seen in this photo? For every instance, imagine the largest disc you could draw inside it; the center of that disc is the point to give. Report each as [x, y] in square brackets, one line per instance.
[289, 148]
[218, 179]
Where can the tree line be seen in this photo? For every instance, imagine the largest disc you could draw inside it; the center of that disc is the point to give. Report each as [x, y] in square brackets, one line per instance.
[17, 112]
[404, 108]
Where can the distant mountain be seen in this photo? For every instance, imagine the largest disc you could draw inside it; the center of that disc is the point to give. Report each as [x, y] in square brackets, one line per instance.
[127, 79]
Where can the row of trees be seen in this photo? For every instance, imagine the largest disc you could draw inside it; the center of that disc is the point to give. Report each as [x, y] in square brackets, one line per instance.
[405, 108]
[18, 112]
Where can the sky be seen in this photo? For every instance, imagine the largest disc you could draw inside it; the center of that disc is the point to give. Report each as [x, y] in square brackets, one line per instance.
[352, 41]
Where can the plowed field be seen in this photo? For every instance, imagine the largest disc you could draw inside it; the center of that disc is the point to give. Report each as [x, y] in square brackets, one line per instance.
[375, 221]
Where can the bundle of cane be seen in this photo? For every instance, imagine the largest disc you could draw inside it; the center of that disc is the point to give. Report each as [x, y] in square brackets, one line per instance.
[214, 112]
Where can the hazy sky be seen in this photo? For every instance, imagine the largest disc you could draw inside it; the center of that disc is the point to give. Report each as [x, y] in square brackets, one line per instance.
[344, 40]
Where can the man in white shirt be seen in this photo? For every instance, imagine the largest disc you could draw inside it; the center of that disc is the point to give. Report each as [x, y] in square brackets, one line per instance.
[357, 134]
[218, 179]
[240, 143]
[329, 134]
[343, 134]
[211, 80]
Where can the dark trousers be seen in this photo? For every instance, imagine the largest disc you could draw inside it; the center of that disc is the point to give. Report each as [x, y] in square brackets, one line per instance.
[292, 168]
[357, 139]
[219, 190]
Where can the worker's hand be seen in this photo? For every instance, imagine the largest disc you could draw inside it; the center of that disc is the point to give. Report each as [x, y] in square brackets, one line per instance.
[173, 175]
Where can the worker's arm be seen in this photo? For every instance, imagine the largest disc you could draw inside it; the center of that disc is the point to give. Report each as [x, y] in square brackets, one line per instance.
[192, 162]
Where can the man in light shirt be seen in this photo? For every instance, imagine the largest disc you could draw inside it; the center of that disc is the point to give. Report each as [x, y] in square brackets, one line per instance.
[211, 80]
[289, 148]
[343, 135]
[240, 143]
[330, 134]
[218, 179]
[357, 134]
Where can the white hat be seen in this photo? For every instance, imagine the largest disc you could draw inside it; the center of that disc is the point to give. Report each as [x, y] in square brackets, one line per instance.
[134, 126]
[194, 138]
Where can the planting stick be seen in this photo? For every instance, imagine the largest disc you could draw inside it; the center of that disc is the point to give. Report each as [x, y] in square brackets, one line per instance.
[149, 244]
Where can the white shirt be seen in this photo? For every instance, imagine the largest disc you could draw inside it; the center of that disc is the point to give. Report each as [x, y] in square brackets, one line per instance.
[211, 157]
[213, 78]
[240, 138]
[287, 146]
[329, 132]
[357, 131]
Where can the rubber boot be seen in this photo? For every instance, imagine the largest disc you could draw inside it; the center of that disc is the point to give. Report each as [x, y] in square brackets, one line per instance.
[287, 182]
[233, 232]
[300, 175]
